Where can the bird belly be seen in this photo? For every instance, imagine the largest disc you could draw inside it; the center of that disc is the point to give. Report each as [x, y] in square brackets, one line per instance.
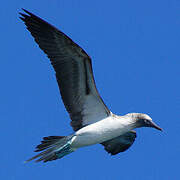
[100, 131]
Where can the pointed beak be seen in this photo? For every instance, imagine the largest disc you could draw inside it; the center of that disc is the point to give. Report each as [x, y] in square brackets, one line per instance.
[153, 125]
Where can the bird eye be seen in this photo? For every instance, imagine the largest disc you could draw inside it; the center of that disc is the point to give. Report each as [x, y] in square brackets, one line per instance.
[146, 121]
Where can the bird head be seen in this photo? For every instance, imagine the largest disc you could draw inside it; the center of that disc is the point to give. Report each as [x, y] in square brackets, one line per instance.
[144, 120]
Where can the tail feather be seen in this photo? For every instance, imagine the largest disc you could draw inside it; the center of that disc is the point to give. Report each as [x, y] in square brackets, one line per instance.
[55, 148]
[48, 142]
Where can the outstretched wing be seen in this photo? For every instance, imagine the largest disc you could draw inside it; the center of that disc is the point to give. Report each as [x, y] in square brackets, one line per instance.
[73, 72]
[120, 144]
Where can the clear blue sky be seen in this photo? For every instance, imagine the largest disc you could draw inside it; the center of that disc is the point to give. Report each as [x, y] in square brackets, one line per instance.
[134, 46]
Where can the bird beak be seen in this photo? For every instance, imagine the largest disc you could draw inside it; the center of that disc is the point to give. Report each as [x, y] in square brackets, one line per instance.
[153, 125]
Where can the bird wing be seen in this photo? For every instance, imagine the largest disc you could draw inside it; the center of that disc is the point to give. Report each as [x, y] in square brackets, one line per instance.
[73, 72]
[120, 143]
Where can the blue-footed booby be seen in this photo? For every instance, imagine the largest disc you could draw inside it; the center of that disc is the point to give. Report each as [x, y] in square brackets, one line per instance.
[91, 119]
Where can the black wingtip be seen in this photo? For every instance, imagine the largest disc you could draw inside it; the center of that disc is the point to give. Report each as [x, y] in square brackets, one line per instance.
[27, 11]
[24, 9]
[23, 16]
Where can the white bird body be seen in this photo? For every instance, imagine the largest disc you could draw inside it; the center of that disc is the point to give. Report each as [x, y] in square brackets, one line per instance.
[106, 129]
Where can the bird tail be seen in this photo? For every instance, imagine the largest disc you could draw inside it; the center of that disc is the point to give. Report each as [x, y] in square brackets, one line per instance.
[53, 147]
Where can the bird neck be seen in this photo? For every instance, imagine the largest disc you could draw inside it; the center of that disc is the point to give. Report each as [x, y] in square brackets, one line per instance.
[127, 122]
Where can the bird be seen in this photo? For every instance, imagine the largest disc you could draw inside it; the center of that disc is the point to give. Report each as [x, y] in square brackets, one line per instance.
[91, 120]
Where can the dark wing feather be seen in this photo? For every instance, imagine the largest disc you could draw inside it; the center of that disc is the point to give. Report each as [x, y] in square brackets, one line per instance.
[73, 72]
[120, 144]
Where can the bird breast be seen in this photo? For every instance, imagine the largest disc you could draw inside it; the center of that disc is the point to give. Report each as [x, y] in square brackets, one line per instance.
[101, 131]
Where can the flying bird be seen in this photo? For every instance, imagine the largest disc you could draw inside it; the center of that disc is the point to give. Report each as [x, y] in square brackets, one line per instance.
[91, 119]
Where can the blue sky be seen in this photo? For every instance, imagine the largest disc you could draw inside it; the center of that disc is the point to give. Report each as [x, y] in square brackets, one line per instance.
[134, 47]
